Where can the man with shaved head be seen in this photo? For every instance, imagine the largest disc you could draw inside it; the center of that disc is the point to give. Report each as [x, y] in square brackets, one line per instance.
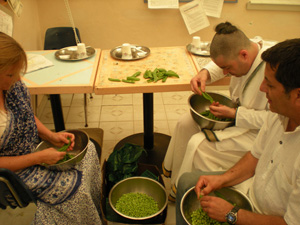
[191, 147]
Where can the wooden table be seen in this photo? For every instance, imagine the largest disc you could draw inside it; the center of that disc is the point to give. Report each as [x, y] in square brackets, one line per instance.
[169, 58]
[64, 77]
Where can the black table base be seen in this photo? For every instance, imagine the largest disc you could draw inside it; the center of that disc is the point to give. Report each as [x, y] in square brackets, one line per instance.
[57, 112]
[156, 144]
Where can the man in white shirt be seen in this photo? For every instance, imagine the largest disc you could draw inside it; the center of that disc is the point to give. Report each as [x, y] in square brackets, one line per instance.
[232, 53]
[274, 158]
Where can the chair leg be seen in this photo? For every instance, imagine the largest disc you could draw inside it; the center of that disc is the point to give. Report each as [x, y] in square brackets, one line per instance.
[85, 110]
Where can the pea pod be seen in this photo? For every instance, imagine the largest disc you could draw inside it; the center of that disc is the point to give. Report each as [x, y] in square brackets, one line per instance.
[171, 73]
[128, 81]
[136, 74]
[147, 74]
[66, 146]
[162, 70]
[208, 97]
[133, 78]
[63, 149]
[114, 79]
[164, 79]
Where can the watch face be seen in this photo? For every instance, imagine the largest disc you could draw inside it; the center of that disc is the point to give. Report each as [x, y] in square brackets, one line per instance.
[231, 218]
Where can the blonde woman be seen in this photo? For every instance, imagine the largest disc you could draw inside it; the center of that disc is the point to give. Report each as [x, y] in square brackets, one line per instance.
[69, 197]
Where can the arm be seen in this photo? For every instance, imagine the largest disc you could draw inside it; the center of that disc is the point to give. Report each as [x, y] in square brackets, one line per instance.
[48, 156]
[58, 139]
[217, 208]
[222, 111]
[210, 73]
[241, 171]
[245, 217]
[250, 118]
[199, 81]
[15, 163]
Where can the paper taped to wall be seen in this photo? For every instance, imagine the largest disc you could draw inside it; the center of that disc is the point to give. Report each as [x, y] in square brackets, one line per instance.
[194, 16]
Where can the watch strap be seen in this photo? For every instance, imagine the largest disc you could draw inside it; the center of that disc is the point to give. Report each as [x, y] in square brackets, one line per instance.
[235, 209]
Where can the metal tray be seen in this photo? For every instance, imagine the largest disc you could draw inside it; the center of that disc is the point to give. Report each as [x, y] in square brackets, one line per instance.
[138, 52]
[70, 53]
[203, 52]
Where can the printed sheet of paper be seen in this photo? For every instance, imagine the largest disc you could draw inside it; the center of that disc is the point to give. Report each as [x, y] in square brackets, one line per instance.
[213, 7]
[6, 23]
[194, 16]
[37, 62]
[163, 4]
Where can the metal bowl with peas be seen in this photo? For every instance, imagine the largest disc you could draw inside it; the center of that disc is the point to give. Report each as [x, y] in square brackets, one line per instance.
[191, 209]
[138, 198]
[76, 155]
[199, 105]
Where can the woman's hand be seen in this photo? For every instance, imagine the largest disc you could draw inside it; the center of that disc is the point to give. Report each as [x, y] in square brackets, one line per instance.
[50, 156]
[215, 207]
[199, 81]
[222, 111]
[61, 138]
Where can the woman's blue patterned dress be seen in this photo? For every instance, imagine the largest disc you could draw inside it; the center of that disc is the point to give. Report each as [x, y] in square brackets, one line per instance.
[69, 197]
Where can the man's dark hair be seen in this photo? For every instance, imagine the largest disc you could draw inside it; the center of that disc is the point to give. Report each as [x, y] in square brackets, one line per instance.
[228, 41]
[285, 57]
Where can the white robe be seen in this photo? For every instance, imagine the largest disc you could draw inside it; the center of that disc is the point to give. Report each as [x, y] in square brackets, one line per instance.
[189, 149]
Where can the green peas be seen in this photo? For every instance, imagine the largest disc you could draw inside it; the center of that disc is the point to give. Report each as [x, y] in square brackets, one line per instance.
[137, 205]
[199, 217]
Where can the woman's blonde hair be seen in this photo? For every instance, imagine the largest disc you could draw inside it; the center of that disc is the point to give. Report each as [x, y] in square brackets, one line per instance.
[12, 55]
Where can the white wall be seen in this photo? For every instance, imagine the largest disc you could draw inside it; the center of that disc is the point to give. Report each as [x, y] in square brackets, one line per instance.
[109, 23]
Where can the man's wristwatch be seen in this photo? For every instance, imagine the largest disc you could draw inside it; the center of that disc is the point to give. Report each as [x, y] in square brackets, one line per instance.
[231, 216]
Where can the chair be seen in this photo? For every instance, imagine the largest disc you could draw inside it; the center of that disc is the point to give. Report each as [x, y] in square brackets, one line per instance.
[13, 192]
[61, 37]
[96, 136]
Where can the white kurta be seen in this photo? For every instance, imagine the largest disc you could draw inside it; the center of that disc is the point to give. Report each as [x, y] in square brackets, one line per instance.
[189, 149]
[276, 185]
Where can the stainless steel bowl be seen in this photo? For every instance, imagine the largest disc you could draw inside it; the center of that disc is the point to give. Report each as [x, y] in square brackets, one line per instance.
[140, 185]
[190, 203]
[79, 150]
[199, 104]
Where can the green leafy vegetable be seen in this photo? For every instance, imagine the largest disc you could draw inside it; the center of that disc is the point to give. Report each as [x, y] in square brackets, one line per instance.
[123, 163]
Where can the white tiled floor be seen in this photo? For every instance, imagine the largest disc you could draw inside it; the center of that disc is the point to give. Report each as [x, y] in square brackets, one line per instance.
[119, 116]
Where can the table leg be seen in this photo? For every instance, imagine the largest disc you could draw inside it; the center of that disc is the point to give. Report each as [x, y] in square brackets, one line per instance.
[155, 144]
[57, 112]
